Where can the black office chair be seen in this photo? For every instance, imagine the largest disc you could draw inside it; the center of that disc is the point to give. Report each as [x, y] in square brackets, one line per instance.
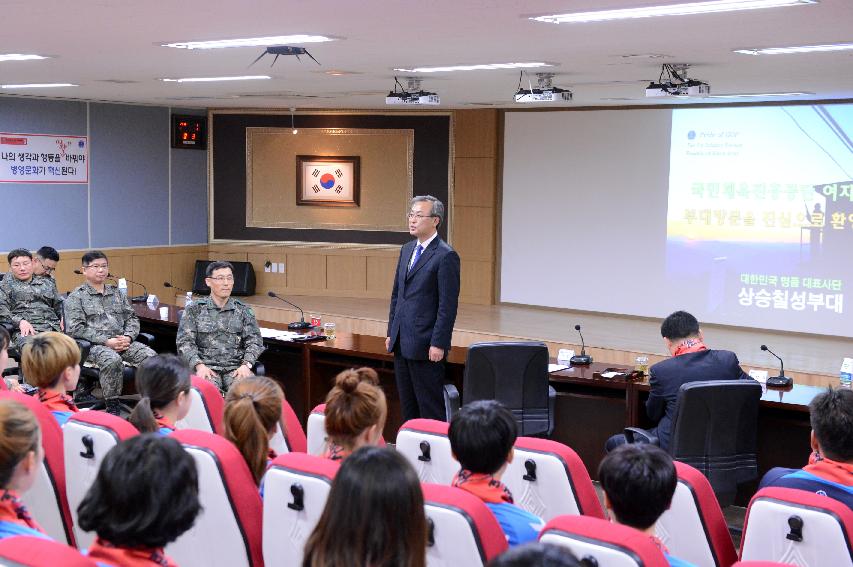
[15, 354]
[715, 430]
[515, 374]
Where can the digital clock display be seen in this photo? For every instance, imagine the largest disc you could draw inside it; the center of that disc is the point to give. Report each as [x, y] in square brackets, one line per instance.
[189, 132]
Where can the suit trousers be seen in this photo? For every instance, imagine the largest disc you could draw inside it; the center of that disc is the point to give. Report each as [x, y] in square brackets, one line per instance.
[420, 384]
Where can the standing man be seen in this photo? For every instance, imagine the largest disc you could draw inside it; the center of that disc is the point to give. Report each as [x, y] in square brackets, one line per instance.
[45, 261]
[101, 314]
[219, 337]
[30, 303]
[423, 311]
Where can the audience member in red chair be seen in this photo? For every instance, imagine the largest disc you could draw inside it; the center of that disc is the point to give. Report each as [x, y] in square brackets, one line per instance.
[252, 412]
[51, 362]
[536, 555]
[20, 459]
[355, 412]
[11, 383]
[639, 481]
[830, 468]
[164, 383]
[144, 497]
[481, 437]
[374, 515]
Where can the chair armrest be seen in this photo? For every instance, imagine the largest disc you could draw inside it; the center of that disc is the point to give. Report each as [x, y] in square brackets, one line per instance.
[146, 339]
[258, 369]
[451, 401]
[637, 435]
[85, 347]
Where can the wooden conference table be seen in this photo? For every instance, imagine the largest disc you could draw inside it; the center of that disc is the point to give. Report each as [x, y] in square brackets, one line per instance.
[589, 408]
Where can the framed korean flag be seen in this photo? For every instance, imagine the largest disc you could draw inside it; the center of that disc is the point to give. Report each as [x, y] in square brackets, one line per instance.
[327, 181]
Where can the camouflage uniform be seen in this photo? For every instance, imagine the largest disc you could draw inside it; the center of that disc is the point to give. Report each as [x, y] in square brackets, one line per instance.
[221, 339]
[97, 317]
[36, 301]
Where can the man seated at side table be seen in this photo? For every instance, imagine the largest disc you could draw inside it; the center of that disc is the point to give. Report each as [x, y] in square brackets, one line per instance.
[691, 361]
[830, 468]
[219, 337]
[101, 314]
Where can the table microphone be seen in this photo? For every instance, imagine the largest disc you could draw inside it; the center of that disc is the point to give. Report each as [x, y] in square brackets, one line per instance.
[167, 284]
[780, 381]
[300, 325]
[582, 359]
[136, 298]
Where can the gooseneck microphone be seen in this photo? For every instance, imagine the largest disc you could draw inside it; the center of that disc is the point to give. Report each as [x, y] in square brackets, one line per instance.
[300, 325]
[780, 381]
[582, 359]
[136, 298]
[168, 284]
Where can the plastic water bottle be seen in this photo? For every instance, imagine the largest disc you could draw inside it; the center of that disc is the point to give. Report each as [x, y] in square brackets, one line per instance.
[189, 300]
[122, 287]
[846, 374]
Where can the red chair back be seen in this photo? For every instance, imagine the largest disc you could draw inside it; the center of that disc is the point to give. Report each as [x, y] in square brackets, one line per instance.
[38, 552]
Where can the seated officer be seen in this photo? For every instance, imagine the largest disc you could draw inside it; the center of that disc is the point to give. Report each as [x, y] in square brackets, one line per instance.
[29, 302]
[639, 482]
[691, 361]
[101, 314]
[830, 468]
[219, 336]
[45, 261]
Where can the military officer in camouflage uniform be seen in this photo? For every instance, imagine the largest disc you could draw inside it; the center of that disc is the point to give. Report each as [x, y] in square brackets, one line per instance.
[99, 313]
[219, 336]
[30, 303]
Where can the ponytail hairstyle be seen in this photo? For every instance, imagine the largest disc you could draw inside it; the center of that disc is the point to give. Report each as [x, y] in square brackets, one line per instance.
[19, 434]
[355, 403]
[159, 380]
[252, 410]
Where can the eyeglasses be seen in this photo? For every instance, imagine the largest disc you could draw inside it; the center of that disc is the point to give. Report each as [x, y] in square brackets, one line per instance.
[97, 267]
[223, 278]
[411, 216]
[47, 269]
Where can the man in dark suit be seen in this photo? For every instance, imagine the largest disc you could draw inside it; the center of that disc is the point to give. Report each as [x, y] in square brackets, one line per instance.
[423, 310]
[691, 361]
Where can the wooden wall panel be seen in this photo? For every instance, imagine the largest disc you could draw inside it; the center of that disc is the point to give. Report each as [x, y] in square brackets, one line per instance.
[380, 275]
[346, 273]
[305, 272]
[474, 182]
[151, 270]
[477, 282]
[473, 230]
[476, 132]
[268, 281]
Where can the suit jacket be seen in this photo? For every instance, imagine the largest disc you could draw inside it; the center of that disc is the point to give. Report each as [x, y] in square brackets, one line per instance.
[667, 376]
[424, 300]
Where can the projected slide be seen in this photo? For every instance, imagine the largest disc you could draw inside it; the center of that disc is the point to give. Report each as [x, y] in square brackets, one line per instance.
[760, 216]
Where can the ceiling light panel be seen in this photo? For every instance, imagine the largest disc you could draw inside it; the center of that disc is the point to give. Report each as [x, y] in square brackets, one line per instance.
[800, 49]
[712, 7]
[38, 86]
[251, 42]
[484, 67]
[20, 57]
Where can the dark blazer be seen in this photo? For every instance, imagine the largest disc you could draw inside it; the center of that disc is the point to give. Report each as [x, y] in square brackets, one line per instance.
[667, 376]
[424, 300]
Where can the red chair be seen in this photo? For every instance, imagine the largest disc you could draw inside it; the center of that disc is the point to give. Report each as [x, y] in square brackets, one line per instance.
[87, 437]
[296, 488]
[37, 552]
[548, 479]
[47, 500]
[425, 445]
[206, 408]
[228, 531]
[759, 564]
[289, 436]
[462, 529]
[603, 543]
[798, 527]
[694, 529]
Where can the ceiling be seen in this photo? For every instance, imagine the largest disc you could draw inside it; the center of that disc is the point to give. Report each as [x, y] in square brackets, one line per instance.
[111, 48]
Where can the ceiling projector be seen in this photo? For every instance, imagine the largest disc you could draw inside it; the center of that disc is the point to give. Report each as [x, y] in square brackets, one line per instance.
[411, 93]
[673, 81]
[544, 92]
